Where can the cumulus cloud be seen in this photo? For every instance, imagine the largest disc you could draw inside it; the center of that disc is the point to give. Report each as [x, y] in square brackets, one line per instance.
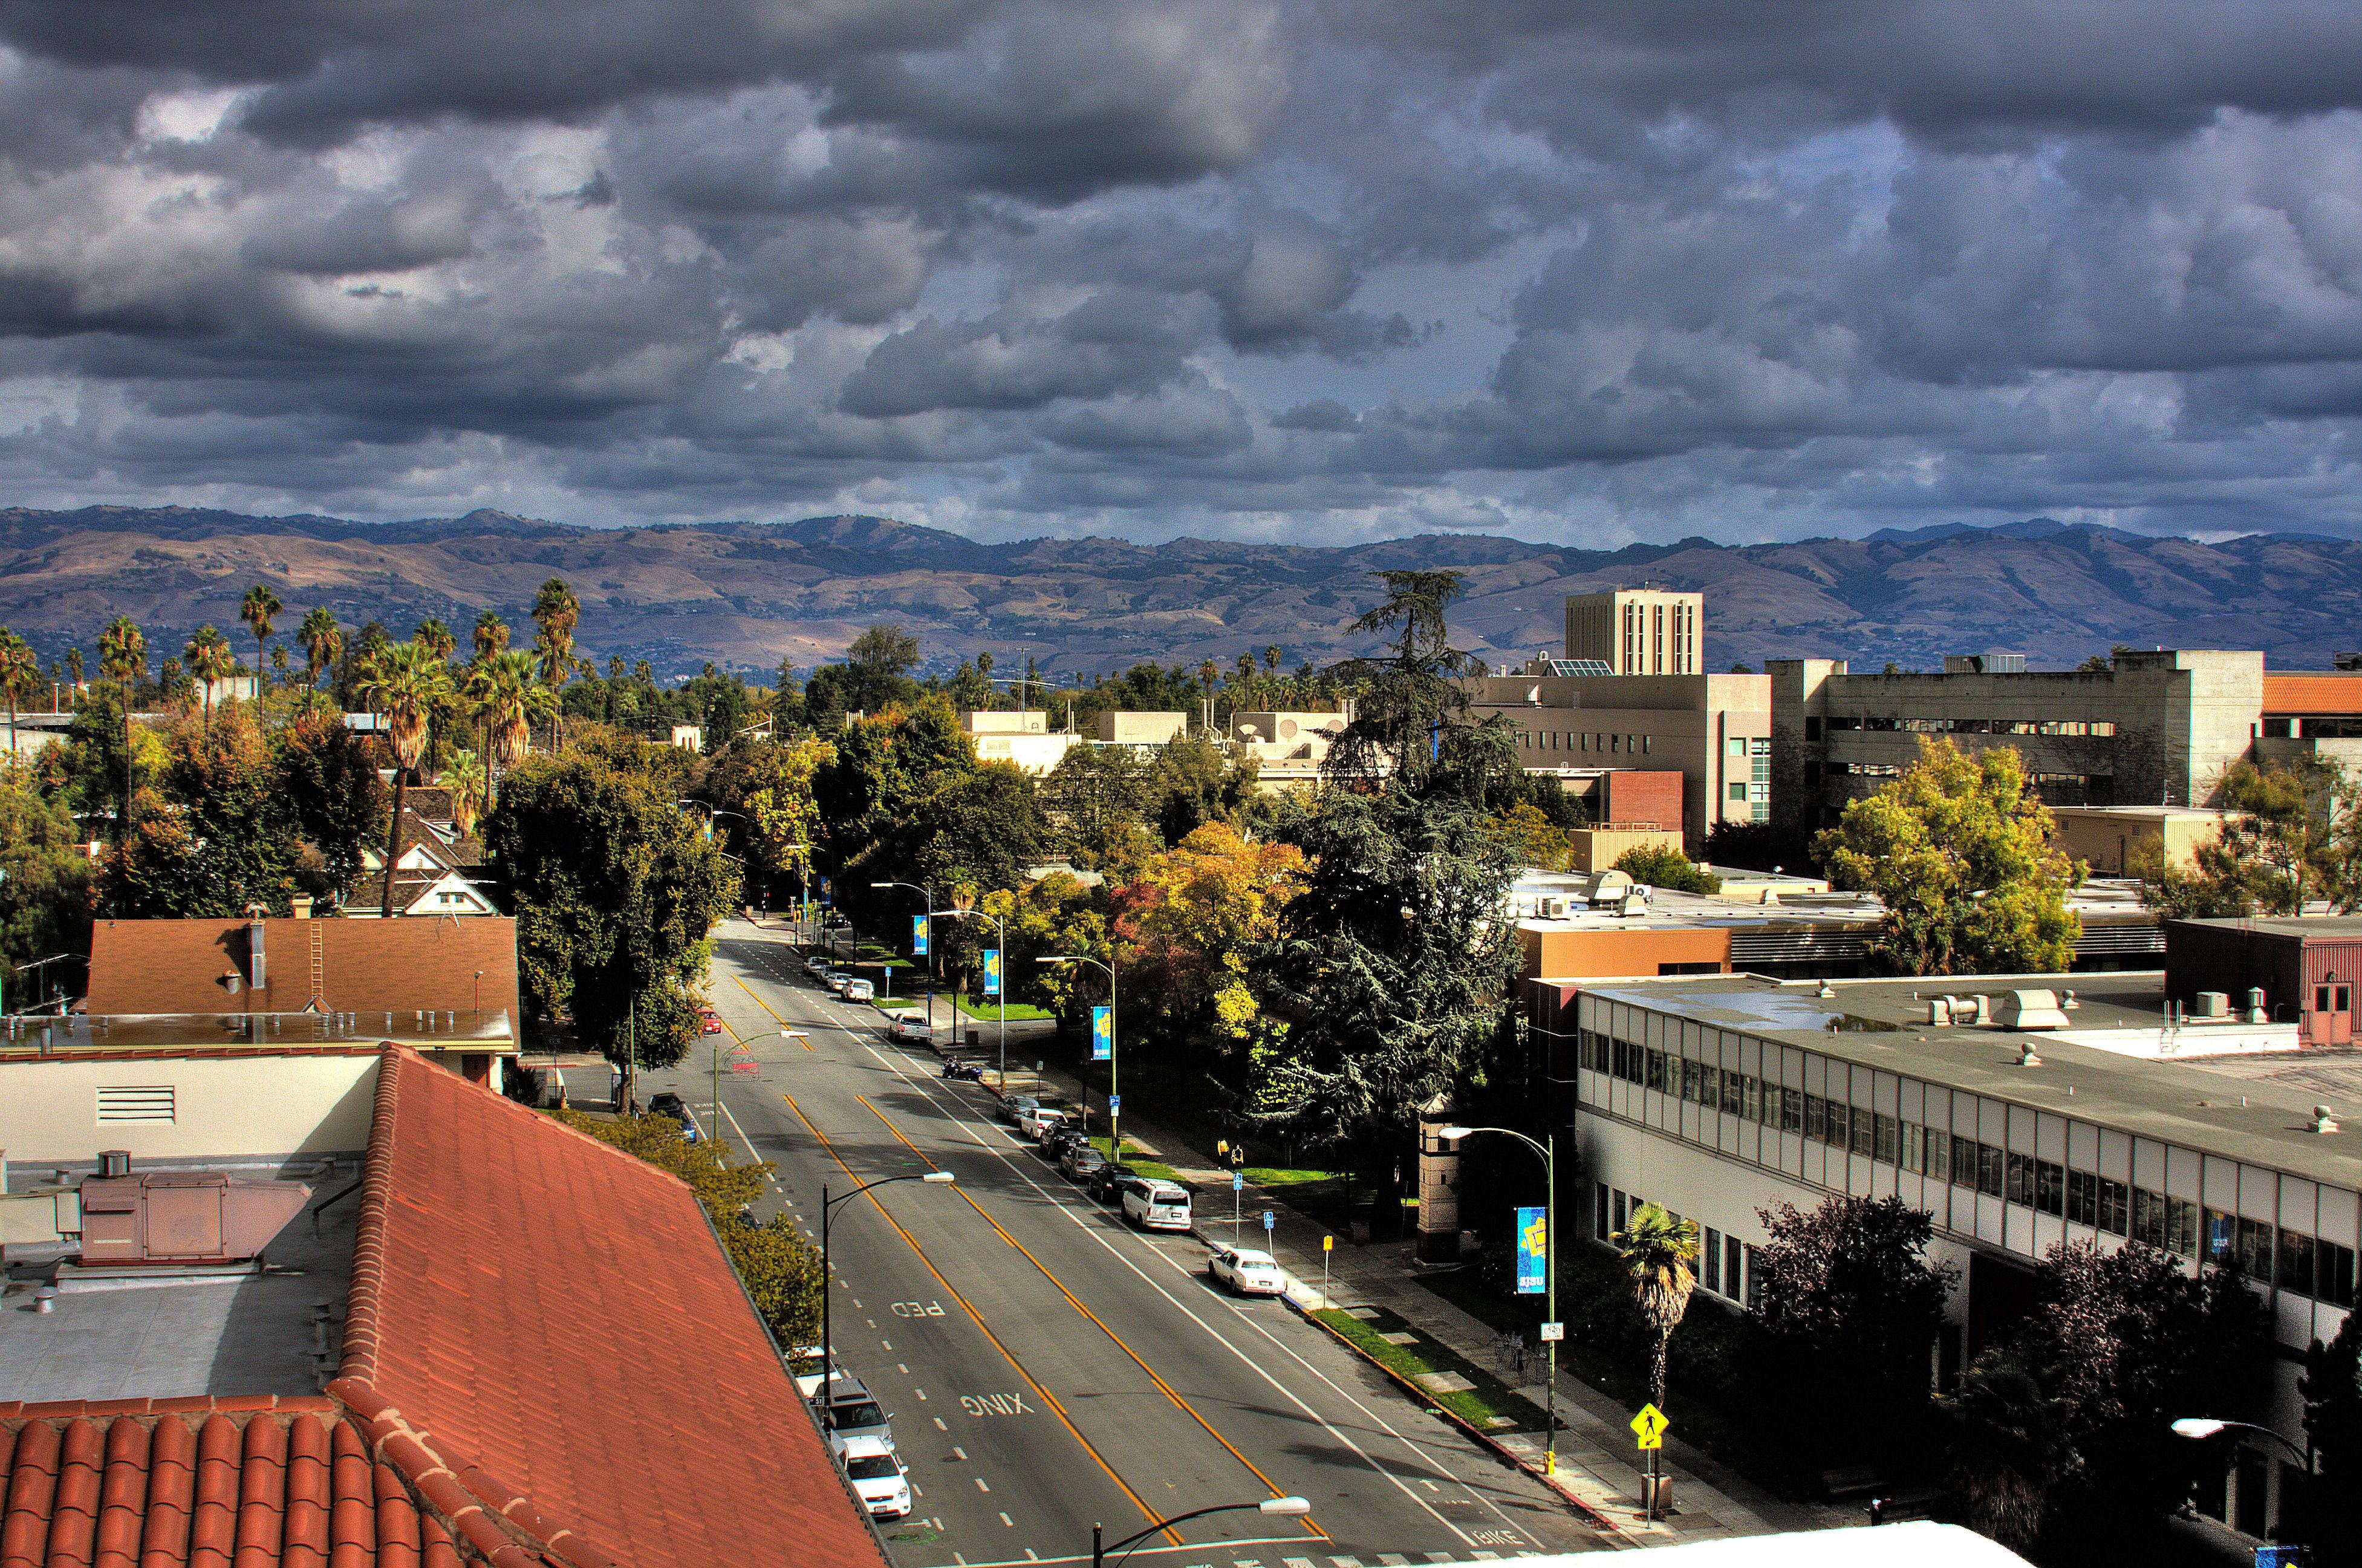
[1302, 269]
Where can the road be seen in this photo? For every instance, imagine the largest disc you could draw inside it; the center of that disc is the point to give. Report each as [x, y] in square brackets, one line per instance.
[1046, 1366]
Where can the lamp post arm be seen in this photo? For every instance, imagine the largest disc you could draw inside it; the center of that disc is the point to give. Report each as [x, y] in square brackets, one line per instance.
[1123, 1548]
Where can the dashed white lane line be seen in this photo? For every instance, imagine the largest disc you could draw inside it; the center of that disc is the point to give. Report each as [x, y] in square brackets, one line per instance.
[1009, 1522]
[980, 1484]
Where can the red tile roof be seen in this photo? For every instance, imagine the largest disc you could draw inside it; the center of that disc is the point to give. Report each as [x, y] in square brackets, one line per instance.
[366, 966]
[548, 1364]
[545, 1337]
[2313, 693]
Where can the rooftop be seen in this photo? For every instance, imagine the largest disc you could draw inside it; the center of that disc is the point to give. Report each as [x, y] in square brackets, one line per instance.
[2329, 927]
[363, 966]
[249, 1335]
[2232, 1111]
[215, 1033]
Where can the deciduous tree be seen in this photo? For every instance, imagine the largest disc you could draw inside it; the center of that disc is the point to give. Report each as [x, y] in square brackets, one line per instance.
[2332, 1390]
[1960, 852]
[1852, 1305]
[1202, 911]
[1662, 866]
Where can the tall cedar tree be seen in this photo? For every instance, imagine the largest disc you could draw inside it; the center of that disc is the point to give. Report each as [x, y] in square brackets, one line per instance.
[1960, 852]
[615, 892]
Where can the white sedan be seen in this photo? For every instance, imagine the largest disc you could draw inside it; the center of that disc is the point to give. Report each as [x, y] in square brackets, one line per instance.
[878, 1476]
[1246, 1272]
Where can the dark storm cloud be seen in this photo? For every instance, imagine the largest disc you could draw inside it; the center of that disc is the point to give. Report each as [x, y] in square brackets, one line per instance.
[1299, 267]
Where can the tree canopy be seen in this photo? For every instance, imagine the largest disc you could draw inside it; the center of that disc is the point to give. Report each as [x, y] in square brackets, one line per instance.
[1961, 851]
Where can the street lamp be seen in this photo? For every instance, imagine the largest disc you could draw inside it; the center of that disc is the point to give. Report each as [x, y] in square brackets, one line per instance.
[1286, 1508]
[1115, 1099]
[963, 903]
[828, 1208]
[1549, 1151]
[2203, 1426]
[928, 895]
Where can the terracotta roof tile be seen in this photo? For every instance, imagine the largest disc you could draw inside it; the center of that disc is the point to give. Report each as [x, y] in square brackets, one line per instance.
[366, 965]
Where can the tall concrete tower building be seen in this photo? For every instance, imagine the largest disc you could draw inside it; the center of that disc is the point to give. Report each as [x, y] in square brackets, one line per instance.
[1636, 631]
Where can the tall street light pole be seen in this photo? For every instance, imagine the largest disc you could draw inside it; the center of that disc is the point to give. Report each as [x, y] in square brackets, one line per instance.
[928, 895]
[828, 1208]
[1286, 1508]
[963, 908]
[1115, 1099]
[1549, 1151]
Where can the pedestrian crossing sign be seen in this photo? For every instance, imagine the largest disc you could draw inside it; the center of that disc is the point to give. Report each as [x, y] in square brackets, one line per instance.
[1649, 1426]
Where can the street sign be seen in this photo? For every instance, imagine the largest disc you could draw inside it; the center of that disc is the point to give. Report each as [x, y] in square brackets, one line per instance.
[1115, 1104]
[1533, 1247]
[1649, 1426]
[992, 971]
[1328, 1243]
[1553, 1333]
[1270, 1222]
[1102, 1033]
[918, 936]
[746, 1066]
[1238, 1182]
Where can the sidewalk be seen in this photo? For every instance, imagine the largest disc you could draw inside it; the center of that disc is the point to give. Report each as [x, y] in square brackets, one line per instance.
[1597, 1459]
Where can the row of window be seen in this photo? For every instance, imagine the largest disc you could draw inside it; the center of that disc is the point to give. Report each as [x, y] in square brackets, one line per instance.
[1975, 726]
[1553, 740]
[2303, 1264]
[1725, 1266]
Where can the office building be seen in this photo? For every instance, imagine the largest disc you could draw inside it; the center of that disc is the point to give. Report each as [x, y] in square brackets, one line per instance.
[1021, 739]
[1637, 630]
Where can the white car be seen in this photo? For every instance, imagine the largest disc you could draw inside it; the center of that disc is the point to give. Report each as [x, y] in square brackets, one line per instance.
[859, 991]
[1156, 1205]
[1035, 1122]
[804, 1362]
[879, 1477]
[816, 966]
[1246, 1272]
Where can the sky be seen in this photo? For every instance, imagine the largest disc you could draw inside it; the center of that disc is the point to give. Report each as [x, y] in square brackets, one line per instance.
[1311, 270]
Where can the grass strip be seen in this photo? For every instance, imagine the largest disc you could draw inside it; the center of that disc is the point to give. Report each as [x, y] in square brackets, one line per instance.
[1487, 1404]
[1153, 1169]
[986, 1010]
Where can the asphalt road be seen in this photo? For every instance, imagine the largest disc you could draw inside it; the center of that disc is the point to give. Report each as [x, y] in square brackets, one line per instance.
[1046, 1366]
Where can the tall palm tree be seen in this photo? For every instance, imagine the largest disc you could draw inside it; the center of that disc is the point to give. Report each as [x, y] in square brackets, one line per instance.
[20, 672]
[2010, 1441]
[555, 612]
[503, 690]
[492, 634]
[464, 777]
[323, 640]
[208, 658]
[123, 657]
[256, 610]
[404, 683]
[435, 638]
[1657, 1250]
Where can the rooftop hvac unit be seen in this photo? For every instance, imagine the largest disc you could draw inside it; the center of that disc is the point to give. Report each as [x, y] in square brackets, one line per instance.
[182, 1216]
[2030, 1009]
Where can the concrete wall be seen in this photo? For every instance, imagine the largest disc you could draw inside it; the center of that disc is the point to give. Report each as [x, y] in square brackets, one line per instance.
[2112, 840]
[1574, 953]
[1141, 729]
[1596, 849]
[223, 1106]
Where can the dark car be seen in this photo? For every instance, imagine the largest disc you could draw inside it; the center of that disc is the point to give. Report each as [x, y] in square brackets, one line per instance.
[670, 1104]
[1081, 1161]
[1056, 1142]
[1104, 1183]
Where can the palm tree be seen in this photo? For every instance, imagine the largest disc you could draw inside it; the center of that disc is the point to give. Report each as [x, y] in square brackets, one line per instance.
[503, 690]
[435, 638]
[123, 657]
[464, 777]
[1657, 1250]
[256, 610]
[2010, 1441]
[20, 672]
[323, 642]
[208, 658]
[404, 683]
[554, 611]
[492, 634]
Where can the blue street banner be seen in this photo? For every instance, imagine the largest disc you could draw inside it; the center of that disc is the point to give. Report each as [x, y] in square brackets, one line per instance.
[1102, 1033]
[992, 971]
[1533, 1251]
[823, 890]
[918, 936]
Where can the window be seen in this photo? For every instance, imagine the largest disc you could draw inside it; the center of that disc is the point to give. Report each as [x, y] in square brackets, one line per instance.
[123, 1103]
[2050, 1187]
[1989, 1170]
[1964, 1160]
[2083, 1197]
[1939, 1154]
[2296, 1263]
[1816, 1119]
[1737, 1095]
[1734, 746]
[2149, 1218]
[2018, 1184]
[1738, 789]
[1731, 1255]
[2115, 1210]
[1618, 1205]
[1754, 1279]
[1603, 1228]
[1792, 1111]
[2182, 1229]
[1709, 1086]
[1656, 1078]
[1888, 1145]
[1710, 1254]
[2251, 1243]
[1915, 1147]
[1750, 1103]
[2332, 1270]
[1690, 1081]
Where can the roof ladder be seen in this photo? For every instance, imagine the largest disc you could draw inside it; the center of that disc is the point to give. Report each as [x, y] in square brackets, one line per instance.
[319, 966]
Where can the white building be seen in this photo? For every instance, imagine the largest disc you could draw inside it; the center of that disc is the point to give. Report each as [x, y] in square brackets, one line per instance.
[1022, 739]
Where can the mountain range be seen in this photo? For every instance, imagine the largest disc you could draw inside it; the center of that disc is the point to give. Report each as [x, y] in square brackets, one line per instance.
[748, 595]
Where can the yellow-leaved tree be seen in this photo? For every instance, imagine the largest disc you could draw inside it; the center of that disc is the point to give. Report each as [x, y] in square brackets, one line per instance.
[1200, 911]
[1961, 853]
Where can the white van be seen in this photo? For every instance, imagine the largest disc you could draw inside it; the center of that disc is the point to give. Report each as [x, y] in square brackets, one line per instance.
[1155, 1205]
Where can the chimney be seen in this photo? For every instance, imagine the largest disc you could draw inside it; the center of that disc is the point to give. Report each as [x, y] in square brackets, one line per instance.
[301, 906]
[254, 966]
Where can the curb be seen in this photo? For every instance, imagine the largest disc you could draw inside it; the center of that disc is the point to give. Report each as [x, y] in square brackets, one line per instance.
[1596, 1520]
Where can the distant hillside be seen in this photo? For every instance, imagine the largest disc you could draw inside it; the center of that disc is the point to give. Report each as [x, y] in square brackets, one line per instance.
[747, 594]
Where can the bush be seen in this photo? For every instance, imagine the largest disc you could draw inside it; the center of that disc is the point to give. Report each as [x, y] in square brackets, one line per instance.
[1665, 866]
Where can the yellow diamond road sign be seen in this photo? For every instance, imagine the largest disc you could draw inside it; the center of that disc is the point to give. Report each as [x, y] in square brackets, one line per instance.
[1649, 1426]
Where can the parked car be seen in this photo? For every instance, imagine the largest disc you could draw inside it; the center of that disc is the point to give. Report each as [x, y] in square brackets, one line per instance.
[879, 1477]
[1246, 1272]
[1014, 1106]
[1056, 1142]
[816, 965]
[671, 1104]
[853, 1411]
[804, 1362]
[913, 1027]
[837, 980]
[1106, 1183]
[1156, 1205]
[1080, 1161]
[1036, 1122]
[859, 991]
